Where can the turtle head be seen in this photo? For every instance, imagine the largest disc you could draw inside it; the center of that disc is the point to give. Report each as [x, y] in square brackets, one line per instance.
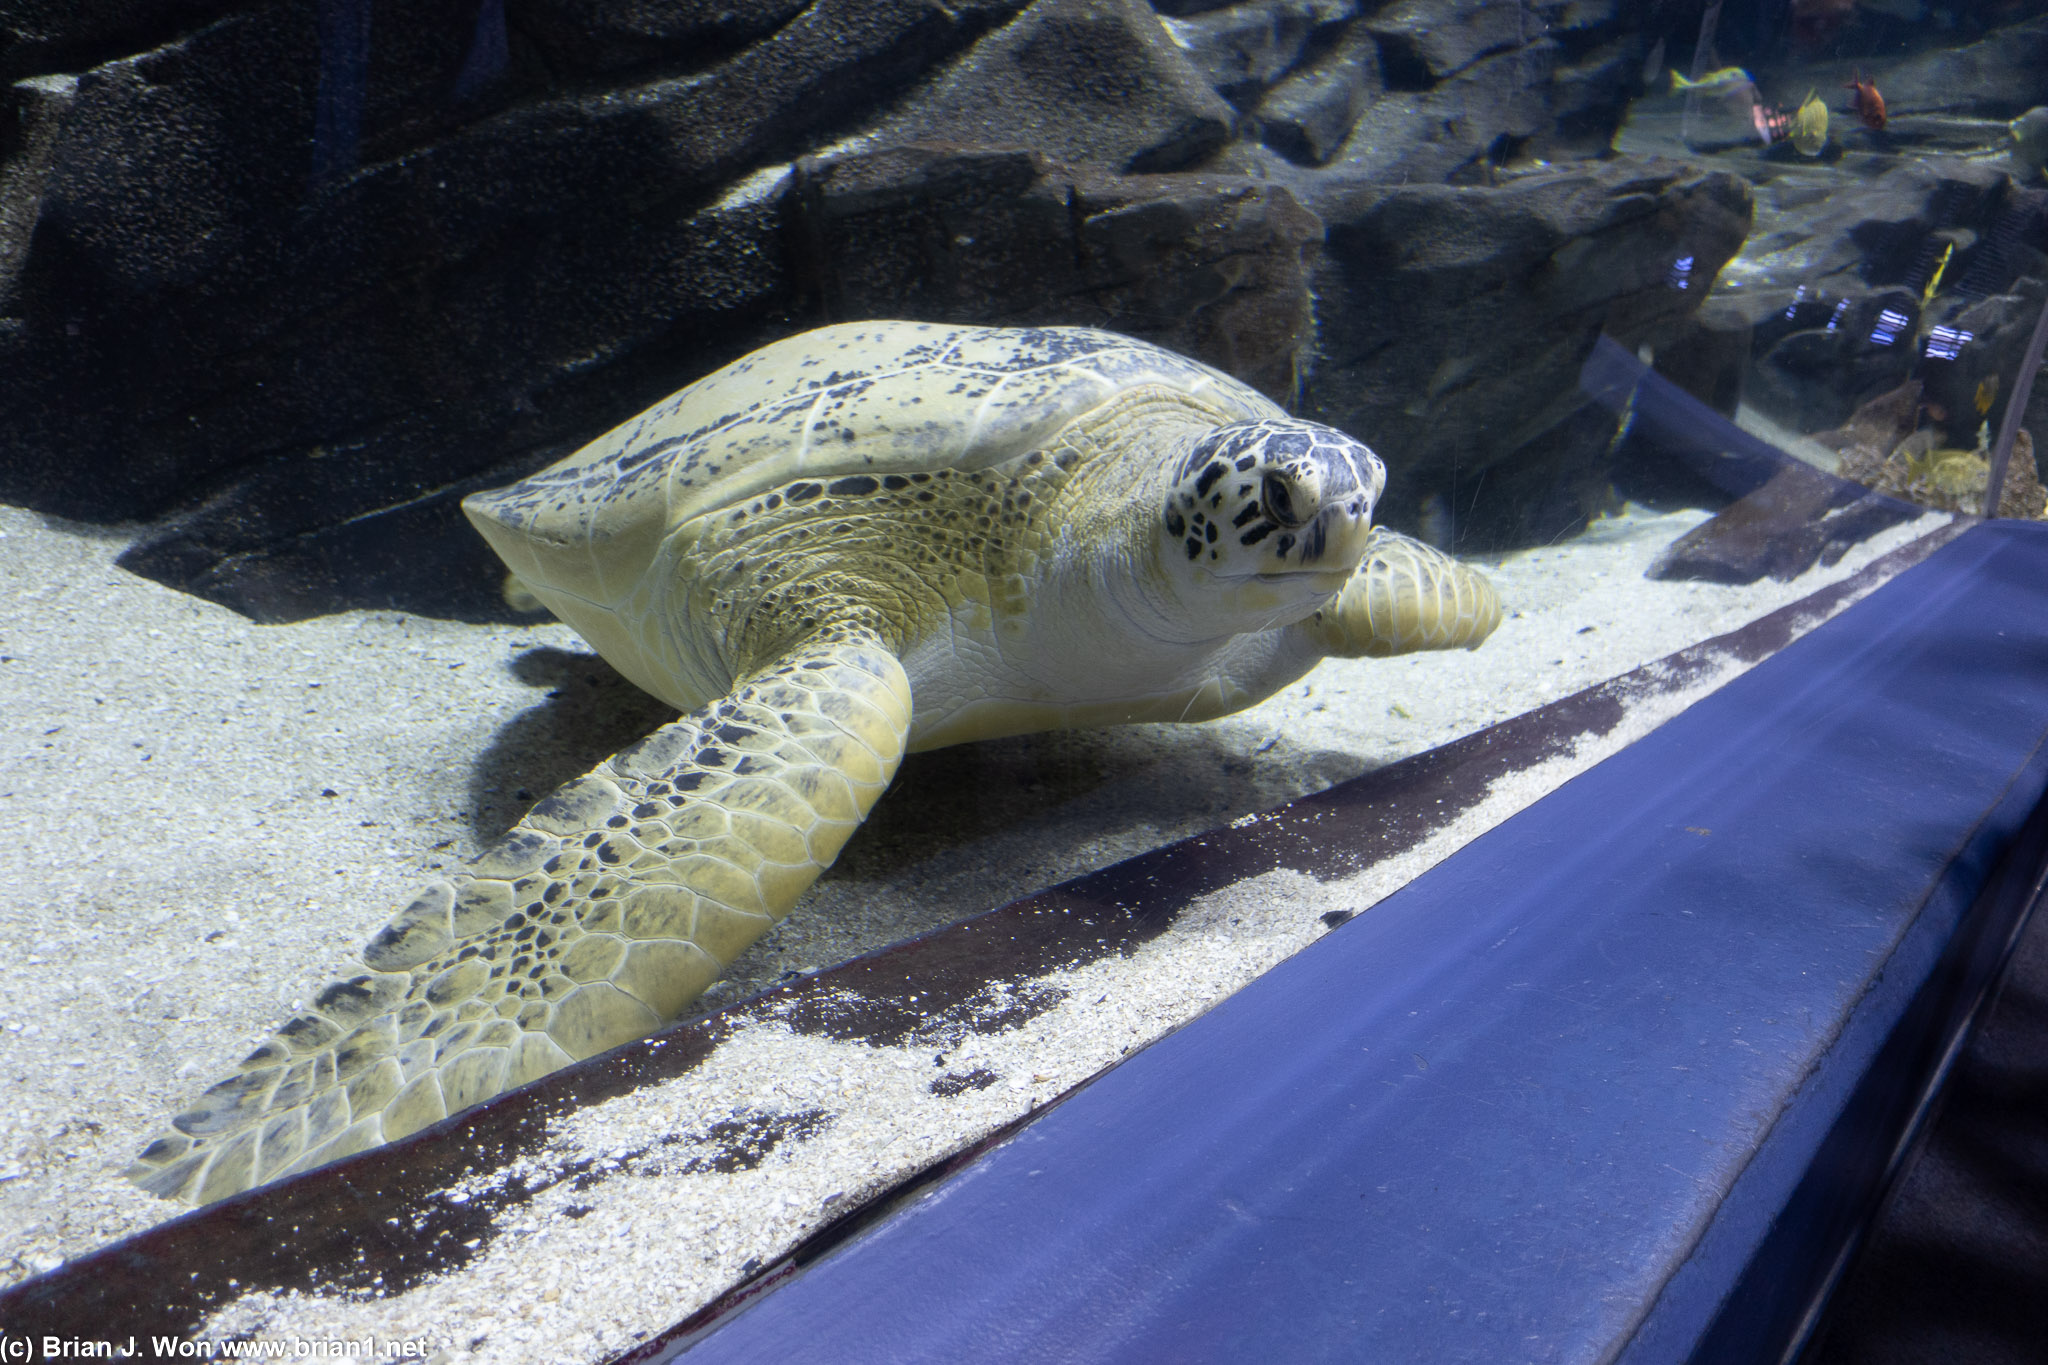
[1271, 516]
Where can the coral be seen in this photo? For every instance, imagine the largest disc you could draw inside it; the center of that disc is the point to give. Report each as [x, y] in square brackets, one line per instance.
[1948, 479]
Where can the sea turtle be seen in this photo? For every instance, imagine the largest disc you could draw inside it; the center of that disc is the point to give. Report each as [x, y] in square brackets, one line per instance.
[864, 539]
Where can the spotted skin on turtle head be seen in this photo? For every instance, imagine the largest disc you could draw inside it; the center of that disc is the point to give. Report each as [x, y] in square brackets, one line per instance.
[1274, 496]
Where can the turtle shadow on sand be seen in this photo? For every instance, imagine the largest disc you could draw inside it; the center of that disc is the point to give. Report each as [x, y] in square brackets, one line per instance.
[962, 830]
[972, 827]
[1034, 809]
[1017, 809]
[588, 714]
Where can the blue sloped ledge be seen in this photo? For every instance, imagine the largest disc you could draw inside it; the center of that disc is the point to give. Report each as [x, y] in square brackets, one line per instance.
[1615, 1082]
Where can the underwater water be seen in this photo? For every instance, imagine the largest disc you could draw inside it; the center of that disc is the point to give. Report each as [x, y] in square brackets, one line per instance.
[1657, 317]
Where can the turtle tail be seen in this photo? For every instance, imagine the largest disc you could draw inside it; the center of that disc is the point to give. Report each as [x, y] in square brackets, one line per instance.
[603, 913]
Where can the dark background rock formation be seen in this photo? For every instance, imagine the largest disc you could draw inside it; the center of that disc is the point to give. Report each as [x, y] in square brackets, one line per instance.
[1879, 259]
[284, 279]
[1454, 323]
[1212, 266]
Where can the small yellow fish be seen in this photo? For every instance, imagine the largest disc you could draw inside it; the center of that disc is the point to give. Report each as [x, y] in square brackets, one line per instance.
[1727, 78]
[1934, 280]
[1987, 394]
[1810, 126]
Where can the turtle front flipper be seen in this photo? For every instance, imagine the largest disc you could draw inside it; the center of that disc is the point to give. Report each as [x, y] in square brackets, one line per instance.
[604, 912]
[1405, 596]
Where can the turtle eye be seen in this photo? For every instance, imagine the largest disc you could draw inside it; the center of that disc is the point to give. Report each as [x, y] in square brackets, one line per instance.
[1279, 500]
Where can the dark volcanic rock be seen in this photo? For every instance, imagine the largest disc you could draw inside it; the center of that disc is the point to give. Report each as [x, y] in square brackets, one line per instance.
[1245, 48]
[1094, 81]
[1816, 376]
[665, 37]
[2000, 76]
[1420, 90]
[1587, 89]
[1214, 268]
[1707, 356]
[367, 516]
[1991, 337]
[1423, 42]
[206, 322]
[40, 106]
[1800, 518]
[42, 36]
[1454, 323]
[1307, 116]
[1785, 515]
[1211, 266]
[288, 279]
[1471, 88]
[1480, 117]
[1833, 278]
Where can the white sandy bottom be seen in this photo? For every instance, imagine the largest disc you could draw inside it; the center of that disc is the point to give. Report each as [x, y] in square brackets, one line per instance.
[176, 879]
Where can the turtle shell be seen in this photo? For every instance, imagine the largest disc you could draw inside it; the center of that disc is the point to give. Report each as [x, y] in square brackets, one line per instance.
[858, 397]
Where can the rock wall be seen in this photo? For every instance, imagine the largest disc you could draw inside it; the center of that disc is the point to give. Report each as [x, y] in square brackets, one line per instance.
[1454, 323]
[286, 280]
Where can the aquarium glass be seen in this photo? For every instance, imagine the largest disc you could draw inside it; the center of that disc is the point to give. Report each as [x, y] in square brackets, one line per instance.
[1603, 329]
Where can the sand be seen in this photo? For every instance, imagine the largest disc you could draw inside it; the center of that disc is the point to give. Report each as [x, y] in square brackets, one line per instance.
[201, 819]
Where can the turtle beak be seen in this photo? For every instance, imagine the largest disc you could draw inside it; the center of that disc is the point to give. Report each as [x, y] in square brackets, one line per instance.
[1343, 533]
[1332, 548]
[1332, 542]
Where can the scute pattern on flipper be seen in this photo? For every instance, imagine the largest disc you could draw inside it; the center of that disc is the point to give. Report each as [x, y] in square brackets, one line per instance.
[623, 895]
[1404, 597]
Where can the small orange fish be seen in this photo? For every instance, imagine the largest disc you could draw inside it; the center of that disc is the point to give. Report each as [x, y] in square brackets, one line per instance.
[1866, 103]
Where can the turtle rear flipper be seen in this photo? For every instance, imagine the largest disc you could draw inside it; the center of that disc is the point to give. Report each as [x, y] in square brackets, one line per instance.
[1405, 596]
[603, 913]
